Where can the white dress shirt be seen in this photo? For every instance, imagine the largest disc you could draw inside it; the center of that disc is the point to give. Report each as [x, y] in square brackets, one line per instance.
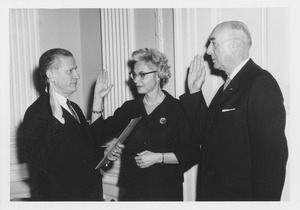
[238, 68]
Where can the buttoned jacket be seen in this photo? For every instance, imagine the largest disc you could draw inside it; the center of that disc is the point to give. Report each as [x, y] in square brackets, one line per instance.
[165, 130]
[242, 136]
[62, 157]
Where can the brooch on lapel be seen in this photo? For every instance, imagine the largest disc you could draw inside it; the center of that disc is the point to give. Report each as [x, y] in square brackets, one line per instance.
[162, 120]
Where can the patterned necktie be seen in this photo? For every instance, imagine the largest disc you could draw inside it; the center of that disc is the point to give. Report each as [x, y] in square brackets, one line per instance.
[72, 110]
[228, 80]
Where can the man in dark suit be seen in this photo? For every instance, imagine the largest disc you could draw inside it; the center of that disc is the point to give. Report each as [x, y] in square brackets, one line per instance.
[63, 148]
[241, 133]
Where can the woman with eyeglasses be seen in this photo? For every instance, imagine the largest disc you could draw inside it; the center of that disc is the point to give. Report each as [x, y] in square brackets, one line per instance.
[162, 146]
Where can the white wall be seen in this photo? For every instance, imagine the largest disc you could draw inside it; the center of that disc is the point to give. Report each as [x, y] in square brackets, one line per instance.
[61, 28]
[91, 56]
[144, 33]
[77, 30]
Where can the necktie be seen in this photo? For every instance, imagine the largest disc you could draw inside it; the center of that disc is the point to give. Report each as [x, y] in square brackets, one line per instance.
[72, 110]
[228, 80]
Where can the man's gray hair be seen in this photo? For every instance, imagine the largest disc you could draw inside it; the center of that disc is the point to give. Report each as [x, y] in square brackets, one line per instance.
[239, 27]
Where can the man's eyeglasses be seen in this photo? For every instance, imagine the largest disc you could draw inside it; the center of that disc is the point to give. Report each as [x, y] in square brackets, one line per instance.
[140, 75]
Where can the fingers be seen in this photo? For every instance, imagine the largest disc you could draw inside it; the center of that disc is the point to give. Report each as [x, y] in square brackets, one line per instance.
[102, 87]
[121, 146]
[138, 160]
[98, 78]
[195, 62]
[118, 149]
[143, 159]
[103, 76]
[51, 94]
[197, 68]
[141, 153]
[192, 66]
[54, 104]
[200, 66]
[196, 75]
[109, 88]
[51, 89]
[203, 72]
[116, 152]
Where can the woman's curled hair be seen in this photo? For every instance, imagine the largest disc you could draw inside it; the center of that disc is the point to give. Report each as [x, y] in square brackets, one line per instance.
[156, 61]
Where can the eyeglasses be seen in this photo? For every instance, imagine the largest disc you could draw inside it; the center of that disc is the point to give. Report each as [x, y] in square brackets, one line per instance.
[140, 75]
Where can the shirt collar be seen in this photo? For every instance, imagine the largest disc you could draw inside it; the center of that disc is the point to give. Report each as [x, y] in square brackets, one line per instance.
[238, 68]
[62, 100]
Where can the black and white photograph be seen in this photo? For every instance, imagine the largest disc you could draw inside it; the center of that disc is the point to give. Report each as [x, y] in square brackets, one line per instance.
[112, 104]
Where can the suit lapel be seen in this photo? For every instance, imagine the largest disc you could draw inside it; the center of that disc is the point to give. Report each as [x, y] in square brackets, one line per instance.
[72, 120]
[83, 125]
[81, 129]
[216, 98]
[233, 86]
[69, 118]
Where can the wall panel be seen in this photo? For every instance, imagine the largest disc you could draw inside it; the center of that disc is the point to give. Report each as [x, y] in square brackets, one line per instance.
[24, 54]
[116, 50]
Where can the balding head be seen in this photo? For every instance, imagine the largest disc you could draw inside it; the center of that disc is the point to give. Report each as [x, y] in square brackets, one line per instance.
[236, 29]
[230, 43]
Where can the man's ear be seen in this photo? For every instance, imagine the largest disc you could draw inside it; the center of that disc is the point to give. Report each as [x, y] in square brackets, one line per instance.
[50, 75]
[235, 45]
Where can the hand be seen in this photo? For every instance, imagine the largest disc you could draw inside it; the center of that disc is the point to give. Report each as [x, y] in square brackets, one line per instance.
[54, 104]
[117, 151]
[102, 88]
[147, 158]
[196, 76]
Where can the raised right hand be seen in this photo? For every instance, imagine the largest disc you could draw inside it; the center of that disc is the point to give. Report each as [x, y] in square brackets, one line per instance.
[102, 88]
[54, 104]
[196, 76]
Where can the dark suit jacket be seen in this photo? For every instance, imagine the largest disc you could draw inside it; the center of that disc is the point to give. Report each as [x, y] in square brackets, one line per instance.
[244, 148]
[166, 129]
[62, 157]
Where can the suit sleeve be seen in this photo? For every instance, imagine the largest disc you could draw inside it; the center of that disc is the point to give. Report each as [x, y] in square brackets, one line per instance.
[188, 152]
[196, 109]
[38, 127]
[111, 127]
[267, 138]
[58, 151]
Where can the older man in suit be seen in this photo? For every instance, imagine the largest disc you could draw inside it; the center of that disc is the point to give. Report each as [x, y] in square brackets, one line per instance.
[63, 148]
[241, 133]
